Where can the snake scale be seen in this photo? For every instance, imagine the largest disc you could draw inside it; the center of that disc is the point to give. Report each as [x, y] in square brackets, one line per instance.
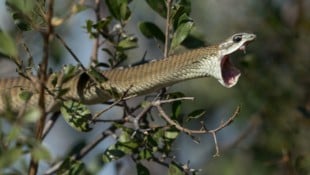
[212, 61]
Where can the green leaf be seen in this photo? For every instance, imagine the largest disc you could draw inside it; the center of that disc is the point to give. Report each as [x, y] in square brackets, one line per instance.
[69, 71]
[172, 134]
[112, 154]
[32, 115]
[7, 45]
[159, 6]
[9, 157]
[39, 152]
[150, 30]
[98, 76]
[103, 23]
[70, 167]
[23, 6]
[27, 14]
[176, 105]
[124, 11]
[176, 109]
[25, 95]
[13, 134]
[175, 170]
[196, 114]
[76, 115]
[145, 154]
[89, 26]
[113, 6]
[142, 170]
[127, 43]
[187, 4]
[119, 9]
[183, 30]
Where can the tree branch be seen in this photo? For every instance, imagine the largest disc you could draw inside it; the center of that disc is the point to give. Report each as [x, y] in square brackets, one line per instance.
[42, 75]
[204, 130]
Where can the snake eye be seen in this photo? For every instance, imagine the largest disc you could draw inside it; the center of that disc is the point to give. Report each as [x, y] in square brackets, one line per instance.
[237, 38]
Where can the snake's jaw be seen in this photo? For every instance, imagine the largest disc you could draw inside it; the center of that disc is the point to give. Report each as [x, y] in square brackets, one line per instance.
[229, 73]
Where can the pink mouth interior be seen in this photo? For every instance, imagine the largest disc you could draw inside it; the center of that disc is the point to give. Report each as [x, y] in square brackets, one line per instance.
[230, 74]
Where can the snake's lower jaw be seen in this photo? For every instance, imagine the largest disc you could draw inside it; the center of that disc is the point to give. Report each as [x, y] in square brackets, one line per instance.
[229, 73]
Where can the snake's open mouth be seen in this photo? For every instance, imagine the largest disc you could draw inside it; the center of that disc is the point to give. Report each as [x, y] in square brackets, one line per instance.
[230, 74]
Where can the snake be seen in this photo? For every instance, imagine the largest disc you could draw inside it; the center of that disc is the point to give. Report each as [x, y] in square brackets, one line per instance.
[211, 61]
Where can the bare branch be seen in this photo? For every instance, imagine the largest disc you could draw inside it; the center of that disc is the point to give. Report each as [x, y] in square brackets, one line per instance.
[42, 75]
[203, 130]
[70, 51]
[50, 123]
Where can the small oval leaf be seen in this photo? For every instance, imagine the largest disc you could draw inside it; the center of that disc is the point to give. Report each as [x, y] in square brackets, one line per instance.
[181, 33]
[150, 30]
[77, 115]
[7, 45]
[159, 6]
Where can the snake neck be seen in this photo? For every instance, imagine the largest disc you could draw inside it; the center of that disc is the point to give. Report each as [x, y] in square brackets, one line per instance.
[158, 74]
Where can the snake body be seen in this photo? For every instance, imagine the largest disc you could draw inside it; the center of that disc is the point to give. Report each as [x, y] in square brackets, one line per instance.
[208, 61]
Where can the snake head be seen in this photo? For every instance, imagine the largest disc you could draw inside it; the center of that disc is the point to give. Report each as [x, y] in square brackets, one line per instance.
[229, 73]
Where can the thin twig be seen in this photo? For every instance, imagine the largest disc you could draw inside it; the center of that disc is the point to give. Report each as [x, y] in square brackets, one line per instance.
[172, 100]
[201, 131]
[167, 29]
[70, 51]
[50, 123]
[94, 58]
[140, 115]
[42, 75]
[106, 109]
[84, 150]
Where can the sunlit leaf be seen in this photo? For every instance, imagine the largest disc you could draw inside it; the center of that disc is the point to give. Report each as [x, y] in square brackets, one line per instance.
[145, 154]
[70, 167]
[7, 45]
[127, 43]
[39, 152]
[77, 115]
[171, 134]
[68, 72]
[124, 11]
[32, 115]
[181, 32]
